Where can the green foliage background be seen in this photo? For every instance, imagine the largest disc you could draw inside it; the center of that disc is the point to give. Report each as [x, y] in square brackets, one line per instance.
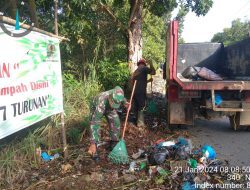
[238, 31]
[111, 74]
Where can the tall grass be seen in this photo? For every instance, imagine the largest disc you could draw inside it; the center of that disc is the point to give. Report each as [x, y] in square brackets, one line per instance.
[77, 95]
[19, 156]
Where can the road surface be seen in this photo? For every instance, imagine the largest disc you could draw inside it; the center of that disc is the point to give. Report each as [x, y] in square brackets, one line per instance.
[229, 144]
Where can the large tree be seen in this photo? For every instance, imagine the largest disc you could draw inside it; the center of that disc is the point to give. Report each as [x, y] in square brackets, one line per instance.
[128, 16]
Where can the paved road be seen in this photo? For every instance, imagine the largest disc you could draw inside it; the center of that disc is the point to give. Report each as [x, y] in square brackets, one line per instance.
[233, 146]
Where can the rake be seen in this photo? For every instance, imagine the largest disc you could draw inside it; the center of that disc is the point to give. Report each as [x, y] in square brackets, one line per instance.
[119, 154]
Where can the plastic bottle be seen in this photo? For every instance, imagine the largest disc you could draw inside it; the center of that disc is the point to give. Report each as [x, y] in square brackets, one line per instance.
[192, 163]
[161, 171]
[209, 152]
[132, 166]
[143, 165]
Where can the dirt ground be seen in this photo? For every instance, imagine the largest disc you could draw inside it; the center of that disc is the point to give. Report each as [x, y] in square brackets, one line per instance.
[79, 171]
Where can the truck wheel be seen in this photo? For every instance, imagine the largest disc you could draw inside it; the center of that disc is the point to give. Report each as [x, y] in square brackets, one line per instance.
[235, 121]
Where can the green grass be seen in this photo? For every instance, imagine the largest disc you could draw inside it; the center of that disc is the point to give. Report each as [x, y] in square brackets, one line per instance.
[20, 155]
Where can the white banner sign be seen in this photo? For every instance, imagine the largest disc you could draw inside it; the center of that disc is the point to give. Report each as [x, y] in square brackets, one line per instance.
[30, 80]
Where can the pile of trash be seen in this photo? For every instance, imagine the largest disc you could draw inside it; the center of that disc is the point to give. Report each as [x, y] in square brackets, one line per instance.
[200, 73]
[177, 165]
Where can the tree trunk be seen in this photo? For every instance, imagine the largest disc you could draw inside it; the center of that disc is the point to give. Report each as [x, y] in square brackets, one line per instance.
[135, 33]
[13, 9]
[84, 62]
[33, 15]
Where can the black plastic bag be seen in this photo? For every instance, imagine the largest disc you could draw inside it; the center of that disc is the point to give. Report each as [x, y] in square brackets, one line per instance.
[158, 156]
[207, 74]
[190, 72]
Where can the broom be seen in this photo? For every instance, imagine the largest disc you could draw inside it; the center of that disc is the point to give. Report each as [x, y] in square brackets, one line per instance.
[119, 154]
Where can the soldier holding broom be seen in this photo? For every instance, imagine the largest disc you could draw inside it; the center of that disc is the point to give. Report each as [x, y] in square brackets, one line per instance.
[106, 104]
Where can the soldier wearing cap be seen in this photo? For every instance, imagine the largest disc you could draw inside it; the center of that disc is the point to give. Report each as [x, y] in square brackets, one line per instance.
[140, 74]
[105, 104]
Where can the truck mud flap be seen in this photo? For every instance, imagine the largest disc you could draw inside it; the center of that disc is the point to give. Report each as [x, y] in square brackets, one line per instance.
[244, 116]
[180, 113]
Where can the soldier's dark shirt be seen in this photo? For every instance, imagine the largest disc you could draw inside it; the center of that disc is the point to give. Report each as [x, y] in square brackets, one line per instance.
[140, 75]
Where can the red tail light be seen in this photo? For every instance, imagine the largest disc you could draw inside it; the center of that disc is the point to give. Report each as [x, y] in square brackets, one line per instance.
[247, 96]
[172, 93]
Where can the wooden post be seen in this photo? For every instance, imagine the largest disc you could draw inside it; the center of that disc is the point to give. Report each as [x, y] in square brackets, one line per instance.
[65, 147]
[63, 131]
[56, 18]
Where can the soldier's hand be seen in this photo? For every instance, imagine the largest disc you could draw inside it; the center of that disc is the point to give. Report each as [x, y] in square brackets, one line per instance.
[150, 80]
[127, 105]
[92, 149]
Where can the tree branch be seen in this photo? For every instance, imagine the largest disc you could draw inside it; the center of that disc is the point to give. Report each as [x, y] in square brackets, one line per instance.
[132, 13]
[147, 8]
[109, 12]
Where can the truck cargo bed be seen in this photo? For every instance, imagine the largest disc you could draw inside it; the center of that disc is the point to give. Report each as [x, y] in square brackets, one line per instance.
[187, 84]
[232, 63]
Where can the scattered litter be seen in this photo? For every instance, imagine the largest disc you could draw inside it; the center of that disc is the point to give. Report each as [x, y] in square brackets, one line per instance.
[158, 156]
[152, 170]
[66, 168]
[138, 154]
[168, 143]
[132, 166]
[192, 163]
[217, 99]
[47, 157]
[209, 152]
[183, 148]
[177, 162]
[143, 165]
[188, 186]
[162, 171]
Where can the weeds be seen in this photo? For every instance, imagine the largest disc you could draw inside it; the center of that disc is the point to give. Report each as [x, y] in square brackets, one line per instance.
[19, 156]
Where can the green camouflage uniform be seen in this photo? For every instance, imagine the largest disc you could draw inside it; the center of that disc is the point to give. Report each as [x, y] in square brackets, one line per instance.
[101, 107]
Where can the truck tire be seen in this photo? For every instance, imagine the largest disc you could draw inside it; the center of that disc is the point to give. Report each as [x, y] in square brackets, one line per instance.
[235, 121]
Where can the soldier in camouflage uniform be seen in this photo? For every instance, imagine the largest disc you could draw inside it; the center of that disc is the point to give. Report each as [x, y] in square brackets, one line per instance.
[105, 104]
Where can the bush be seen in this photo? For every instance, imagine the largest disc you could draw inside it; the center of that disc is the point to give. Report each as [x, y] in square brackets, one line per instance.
[111, 74]
[77, 95]
[74, 135]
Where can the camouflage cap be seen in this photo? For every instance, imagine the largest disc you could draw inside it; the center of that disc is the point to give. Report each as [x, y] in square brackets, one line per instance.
[117, 97]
